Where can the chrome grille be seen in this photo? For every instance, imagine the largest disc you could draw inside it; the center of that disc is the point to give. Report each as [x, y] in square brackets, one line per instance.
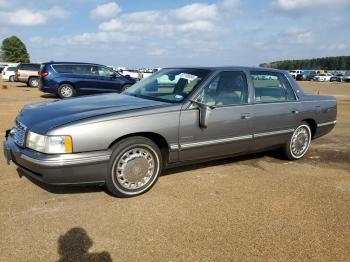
[20, 133]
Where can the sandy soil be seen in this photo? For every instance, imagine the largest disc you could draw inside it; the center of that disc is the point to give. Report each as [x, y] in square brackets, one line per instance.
[255, 208]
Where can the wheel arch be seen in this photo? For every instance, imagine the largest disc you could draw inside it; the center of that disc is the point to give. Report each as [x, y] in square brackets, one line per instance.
[158, 139]
[313, 125]
[31, 77]
[66, 82]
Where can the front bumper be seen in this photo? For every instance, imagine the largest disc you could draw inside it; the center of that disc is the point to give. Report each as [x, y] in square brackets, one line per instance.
[63, 169]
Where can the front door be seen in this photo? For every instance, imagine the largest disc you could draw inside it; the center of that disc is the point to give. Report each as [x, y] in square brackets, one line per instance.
[109, 80]
[229, 124]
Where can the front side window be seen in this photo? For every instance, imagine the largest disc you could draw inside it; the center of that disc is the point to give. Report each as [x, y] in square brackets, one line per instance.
[271, 87]
[105, 71]
[228, 88]
[168, 85]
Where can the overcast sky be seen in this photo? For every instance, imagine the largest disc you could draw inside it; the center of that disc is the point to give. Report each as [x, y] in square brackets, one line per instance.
[178, 32]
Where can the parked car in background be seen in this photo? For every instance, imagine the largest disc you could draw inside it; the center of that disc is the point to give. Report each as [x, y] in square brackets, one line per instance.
[136, 74]
[336, 77]
[27, 73]
[294, 73]
[308, 75]
[323, 77]
[346, 77]
[124, 141]
[68, 79]
[8, 73]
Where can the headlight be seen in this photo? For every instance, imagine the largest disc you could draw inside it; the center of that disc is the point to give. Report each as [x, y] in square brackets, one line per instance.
[49, 144]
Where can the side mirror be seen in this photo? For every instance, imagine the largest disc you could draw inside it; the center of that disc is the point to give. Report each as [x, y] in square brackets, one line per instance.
[204, 113]
[113, 75]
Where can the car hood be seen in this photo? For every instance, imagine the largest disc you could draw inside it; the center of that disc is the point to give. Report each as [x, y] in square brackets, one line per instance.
[43, 116]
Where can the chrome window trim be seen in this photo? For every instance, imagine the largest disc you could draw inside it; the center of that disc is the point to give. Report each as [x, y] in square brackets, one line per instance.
[53, 68]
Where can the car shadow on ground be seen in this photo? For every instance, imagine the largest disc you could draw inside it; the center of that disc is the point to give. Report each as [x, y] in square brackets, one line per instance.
[74, 246]
[52, 96]
[79, 189]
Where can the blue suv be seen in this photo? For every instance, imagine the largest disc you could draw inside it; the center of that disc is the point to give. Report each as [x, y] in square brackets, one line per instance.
[68, 79]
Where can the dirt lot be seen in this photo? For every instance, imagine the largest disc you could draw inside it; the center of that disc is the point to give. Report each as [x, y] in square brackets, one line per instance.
[254, 208]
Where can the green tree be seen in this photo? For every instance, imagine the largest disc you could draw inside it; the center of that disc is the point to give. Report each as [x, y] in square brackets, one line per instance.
[14, 50]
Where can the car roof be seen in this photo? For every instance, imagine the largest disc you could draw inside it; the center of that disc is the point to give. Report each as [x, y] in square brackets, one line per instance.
[70, 63]
[225, 68]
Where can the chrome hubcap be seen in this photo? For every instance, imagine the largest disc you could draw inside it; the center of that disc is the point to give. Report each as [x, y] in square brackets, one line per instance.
[300, 141]
[135, 168]
[34, 82]
[66, 91]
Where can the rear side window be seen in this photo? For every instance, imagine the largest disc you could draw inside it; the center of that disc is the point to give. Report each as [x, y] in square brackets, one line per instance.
[63, 68]
[30, 67]
[271, 87]
[76, 69]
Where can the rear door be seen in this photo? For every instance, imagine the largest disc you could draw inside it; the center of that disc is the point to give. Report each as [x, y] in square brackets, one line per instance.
[229, 127]
[276, 108]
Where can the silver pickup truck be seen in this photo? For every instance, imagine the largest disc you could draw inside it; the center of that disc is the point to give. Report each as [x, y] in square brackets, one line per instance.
[174, 117]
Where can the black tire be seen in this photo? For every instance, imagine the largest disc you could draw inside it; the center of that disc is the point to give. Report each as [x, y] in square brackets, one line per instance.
[134, 158]
[66, 91]
[33, 82]
[11, 79]
[124, 87]
[301, 137]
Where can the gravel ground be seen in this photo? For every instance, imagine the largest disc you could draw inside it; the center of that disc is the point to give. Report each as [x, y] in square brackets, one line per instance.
[251, 208]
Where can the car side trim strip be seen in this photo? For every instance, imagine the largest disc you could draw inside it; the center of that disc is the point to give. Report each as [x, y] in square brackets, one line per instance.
[174, 146]
[66, 162]
[279, 132]
[229, 139]
[327, 123]
[216, 141]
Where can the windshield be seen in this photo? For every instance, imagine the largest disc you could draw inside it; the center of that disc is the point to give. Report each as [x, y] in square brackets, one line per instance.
[168, 85]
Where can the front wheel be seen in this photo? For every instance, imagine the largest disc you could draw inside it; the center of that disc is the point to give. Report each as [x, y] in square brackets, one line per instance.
[124, 87]
[299, 142]
[11, 79]
[134, 167]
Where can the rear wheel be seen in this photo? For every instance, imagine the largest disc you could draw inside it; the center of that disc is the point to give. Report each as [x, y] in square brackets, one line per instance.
[11, 79]
[299, 142]
[134, 167]
[33, 82]
[66, 91]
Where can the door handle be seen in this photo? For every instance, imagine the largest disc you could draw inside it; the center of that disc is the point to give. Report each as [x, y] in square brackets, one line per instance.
[295, 112]
[245, 116]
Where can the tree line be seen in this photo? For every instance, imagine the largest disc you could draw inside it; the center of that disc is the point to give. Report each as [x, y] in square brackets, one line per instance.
[329, 63]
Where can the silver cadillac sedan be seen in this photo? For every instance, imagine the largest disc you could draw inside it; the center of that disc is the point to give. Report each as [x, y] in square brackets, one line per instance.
[174, 117]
